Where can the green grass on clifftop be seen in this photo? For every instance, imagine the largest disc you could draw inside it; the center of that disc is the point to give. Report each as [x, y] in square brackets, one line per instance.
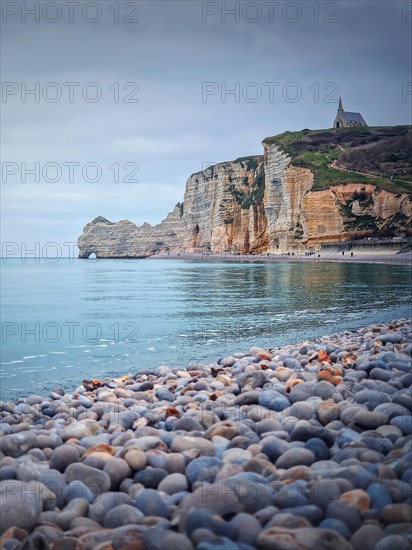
[380, 155]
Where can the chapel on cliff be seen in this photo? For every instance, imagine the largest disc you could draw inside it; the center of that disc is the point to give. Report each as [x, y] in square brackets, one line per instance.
[347, 119]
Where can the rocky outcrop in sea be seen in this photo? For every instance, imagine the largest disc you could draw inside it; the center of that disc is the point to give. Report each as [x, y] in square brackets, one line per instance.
[307, 446]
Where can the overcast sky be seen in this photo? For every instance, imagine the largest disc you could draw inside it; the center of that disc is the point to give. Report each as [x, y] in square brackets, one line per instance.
[140, 91]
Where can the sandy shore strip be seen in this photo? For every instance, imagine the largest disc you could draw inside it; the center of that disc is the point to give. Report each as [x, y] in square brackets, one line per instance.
[307, 446]
[379, 257]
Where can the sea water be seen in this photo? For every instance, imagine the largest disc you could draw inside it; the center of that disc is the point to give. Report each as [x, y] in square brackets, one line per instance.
[71, 320]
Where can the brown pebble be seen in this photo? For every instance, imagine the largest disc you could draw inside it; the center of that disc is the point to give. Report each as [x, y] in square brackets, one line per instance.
[12, 533]
[102, 448]
[358, 498]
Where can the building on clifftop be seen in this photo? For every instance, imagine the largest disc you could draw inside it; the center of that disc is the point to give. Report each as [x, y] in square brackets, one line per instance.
[346, 119]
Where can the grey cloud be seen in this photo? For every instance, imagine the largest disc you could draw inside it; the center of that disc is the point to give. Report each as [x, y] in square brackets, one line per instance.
[171, 132]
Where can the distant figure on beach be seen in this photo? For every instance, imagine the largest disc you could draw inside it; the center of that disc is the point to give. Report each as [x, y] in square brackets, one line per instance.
[351, 254]
[343, 253]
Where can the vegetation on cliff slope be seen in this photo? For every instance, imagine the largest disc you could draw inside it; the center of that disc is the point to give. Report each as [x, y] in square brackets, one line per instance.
[253, 194]
[381, 155]
[251, 162]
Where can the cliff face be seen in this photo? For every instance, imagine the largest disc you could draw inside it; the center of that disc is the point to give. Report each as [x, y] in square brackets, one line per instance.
[354, 210]
[256, 204]
[223, 208]
[285, 187]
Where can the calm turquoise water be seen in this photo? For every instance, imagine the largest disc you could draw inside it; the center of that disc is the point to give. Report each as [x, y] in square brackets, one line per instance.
[66, 321]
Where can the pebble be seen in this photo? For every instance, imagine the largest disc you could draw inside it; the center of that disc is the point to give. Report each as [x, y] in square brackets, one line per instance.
[117, 469]
[97, 481]
[183, 443]
[404, 423]
[347, 513]
[290, 521]
[306, 538]
[105, 503]
[17, 444]
[218, 543]
[393, 542]
[397, 513]
[327, 411]
[247, 398]
[273, 400]
[312, 513]
[76, 489]
[379, 495]
[187, 424]
[136, 459]
[75, 508]
[124, 514]
[161, 539]
[246, 528]
[150, 477]
[173, 483]
[203, 469]
[274, 447]
[358, 498]
[80, 429]
[392, 337]
[203, 518]
[7, 472]
[318, 448]
[367, 537]
[370, 420]
[20, 505]
[62, 456]
[295, 457]
[150, 503]
[336, 525]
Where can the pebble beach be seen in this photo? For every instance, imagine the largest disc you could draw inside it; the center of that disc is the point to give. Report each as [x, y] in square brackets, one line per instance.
[308, 446]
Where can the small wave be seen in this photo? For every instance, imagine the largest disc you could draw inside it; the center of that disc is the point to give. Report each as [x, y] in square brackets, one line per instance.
[58, 352]
[33, 356]
[13, 362]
